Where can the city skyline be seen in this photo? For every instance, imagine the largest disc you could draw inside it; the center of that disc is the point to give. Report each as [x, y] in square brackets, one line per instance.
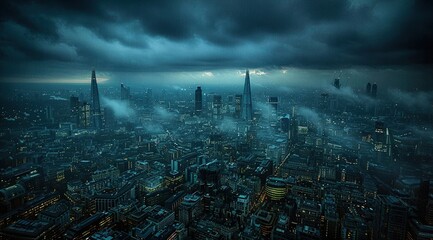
[219, 120]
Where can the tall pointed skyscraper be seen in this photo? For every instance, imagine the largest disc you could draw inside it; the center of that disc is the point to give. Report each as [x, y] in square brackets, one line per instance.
[247, 105]
[96, 106]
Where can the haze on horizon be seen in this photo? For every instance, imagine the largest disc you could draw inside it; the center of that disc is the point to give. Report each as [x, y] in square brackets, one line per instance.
[197, 42]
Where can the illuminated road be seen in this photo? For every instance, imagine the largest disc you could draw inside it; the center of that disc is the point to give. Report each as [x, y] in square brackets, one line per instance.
[277, 169]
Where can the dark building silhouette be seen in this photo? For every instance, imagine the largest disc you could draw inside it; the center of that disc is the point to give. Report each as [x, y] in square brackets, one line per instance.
[84, 117]
[337, 84]
[374, 90]
[96, 106]
[423, 198]
[75, 109]
[49, 116]
[198, 101]
[247, 105]
[285, 123]
[293, 128]
[238, 105]
[74, 103]
[324, 102]
[368, 89]
[273, 101]
[209, 176]
[125, 92]
[217, 106]
[391, 218]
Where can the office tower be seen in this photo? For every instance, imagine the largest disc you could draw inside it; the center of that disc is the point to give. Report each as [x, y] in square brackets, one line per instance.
[74, 103]
[423, 199]
[429, 210]
[229, 108]
[198, 101]
[125, 92]
[374, 90]
[96, 106]
[49, 114]
[285, 123]
[276, 188]
[230, 99]
[380, 137]
[337, 84]
[84, 115]
[209, 176]
[174, 166]
[75, 109]
[391, 218]
[148, 97]
[243, 204]
[388, 144]
[324, 102]
[368, 90]
[238, 105]
[190, 208]
[109, 118]
[273, 102]
[354, 227]
[293, 128]
[247, 105]
[216, 107]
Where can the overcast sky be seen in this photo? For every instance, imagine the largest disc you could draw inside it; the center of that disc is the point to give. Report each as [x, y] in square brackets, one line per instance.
[192, 41]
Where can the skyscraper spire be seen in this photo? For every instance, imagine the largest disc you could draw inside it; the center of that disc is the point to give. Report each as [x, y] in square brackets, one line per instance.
[247, 106]
[96, 106]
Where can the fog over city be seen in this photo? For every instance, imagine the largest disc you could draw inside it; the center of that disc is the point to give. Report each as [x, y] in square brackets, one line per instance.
[242, 120]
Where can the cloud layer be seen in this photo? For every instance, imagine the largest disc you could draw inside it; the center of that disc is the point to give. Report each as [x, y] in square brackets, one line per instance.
[161, 35]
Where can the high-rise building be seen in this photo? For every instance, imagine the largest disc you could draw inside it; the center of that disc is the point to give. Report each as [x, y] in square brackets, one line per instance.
[125, 92]
[293, 128]
[49, 116]
[374, 90]
[216, 107]
[391, 218]
[243, 204]
[380, 137]
[75, 109]
[148, 97]
[96, 106]
[324, 102]
[109, 118]
[84, 115]
[423, 199]
[74, 103]
[368, 89]
[429, 210]
[238, 105]
[190, 208]
[198, 101]
[273, 102]
[247, 105]
[337, 84]
[285, 123]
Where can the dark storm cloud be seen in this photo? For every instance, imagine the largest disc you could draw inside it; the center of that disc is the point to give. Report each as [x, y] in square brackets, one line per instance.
[177, 35]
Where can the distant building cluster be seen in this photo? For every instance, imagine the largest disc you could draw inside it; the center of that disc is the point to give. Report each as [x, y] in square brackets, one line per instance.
[192, 163]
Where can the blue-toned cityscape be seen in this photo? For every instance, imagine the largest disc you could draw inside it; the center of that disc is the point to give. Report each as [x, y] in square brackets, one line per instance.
[244, 120]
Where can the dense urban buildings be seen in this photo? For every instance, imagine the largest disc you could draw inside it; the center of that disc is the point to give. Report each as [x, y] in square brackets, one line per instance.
[177, 167]
[216, 120]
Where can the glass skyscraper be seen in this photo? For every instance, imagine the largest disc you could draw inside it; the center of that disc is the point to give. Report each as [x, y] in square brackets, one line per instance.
[247, 106]
[96, 106]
